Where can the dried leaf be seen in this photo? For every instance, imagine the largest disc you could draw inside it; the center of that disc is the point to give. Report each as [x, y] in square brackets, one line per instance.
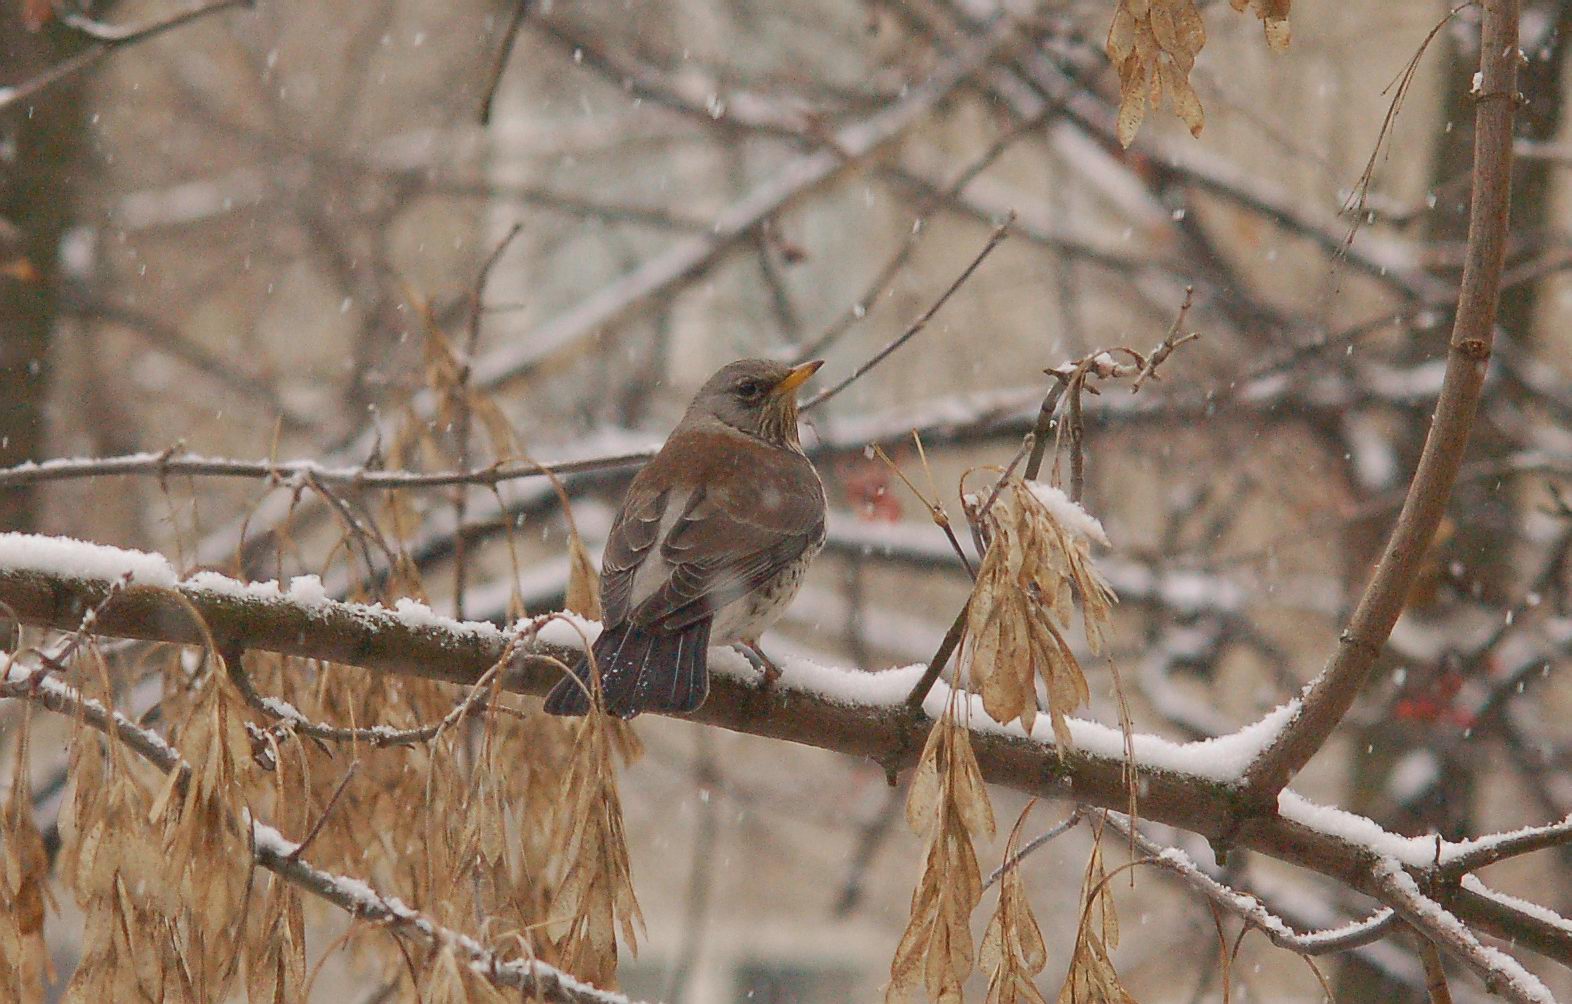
[1274, 20]
[1013, 952]
[596, 890]
[583, 596]
[1032, 569]
[1153, 45]
[1092, 978]
[948, 804]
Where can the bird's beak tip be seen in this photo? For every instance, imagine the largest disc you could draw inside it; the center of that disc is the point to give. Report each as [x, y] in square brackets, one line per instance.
[797, 376]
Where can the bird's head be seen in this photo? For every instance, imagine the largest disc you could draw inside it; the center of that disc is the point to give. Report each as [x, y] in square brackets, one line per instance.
[755, 396]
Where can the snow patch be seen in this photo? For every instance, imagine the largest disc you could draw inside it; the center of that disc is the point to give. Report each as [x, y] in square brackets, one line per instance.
[1532, 909]
[1068, 513]
[79, 559]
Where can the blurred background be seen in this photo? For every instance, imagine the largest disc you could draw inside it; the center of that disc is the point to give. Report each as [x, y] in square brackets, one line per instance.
[265, 235]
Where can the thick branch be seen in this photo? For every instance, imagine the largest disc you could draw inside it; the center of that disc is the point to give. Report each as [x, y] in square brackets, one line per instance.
[857, 714]
[1332, 693]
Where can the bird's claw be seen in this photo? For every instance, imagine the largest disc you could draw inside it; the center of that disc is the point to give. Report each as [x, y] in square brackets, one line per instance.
[769, 672]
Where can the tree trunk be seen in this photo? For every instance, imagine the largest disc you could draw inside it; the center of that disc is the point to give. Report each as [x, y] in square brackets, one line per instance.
[40, 147]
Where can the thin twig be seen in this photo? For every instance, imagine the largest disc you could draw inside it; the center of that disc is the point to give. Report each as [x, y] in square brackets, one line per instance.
[1041, 840]
[1435, 972]
[327, 810]
[1171, 341]
[460, 393]
[510, 36]
[377, 736]
[1502, 973]
[106, 39]
[1251, 910]
[175, 462]
[952, 638]
[994, 239]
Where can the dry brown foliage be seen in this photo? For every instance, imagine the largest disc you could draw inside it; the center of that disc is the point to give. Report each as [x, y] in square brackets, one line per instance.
[1013, 952]
[948, 804]
[1022, 604]
[1153, 45]
[1274, 19]
[596, 892]
[1092, 978]
[24, 893]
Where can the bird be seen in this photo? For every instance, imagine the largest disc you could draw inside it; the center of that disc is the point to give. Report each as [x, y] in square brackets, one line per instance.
[709, 547]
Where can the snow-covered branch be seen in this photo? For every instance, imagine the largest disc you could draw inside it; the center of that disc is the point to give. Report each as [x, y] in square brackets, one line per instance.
[1251, 910]
[49, 581]
[1501, 973]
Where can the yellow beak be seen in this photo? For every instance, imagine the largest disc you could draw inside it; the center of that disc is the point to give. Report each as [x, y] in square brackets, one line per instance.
[796, 377]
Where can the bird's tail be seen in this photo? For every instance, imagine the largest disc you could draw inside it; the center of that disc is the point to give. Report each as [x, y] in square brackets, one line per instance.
[640, 670]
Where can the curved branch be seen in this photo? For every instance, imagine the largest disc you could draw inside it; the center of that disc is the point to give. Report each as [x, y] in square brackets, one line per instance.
[1332, 693]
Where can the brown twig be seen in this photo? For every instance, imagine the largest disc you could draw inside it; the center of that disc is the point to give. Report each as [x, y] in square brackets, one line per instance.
[327, 810]
[1332, 693]
[106, 39]
[952, 639]
[510, 36]
[174, 462]
[1060, 828]
[931, 203]
[994, 239]
[1435, 972]
[460, 394]
[1503, 974]
[1251, 910]
[290, 719]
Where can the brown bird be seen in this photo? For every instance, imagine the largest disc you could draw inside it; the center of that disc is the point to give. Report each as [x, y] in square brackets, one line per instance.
[709, 547]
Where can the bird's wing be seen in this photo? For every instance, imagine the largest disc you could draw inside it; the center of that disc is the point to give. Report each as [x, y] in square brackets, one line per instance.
[632, 538]
[747, 517]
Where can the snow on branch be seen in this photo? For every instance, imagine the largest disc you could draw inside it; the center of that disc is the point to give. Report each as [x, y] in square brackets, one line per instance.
[1251, 910]
[51, 582]
[1501, 973]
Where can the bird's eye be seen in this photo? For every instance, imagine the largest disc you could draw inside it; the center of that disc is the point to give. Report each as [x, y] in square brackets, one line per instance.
[750, 389]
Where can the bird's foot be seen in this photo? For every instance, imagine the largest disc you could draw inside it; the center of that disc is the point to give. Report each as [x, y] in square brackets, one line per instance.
[769, 672]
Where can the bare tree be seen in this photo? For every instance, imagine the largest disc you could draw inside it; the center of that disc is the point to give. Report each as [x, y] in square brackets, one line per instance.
[374, 311]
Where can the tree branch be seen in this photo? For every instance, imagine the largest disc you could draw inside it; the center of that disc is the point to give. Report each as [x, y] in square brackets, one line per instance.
[857, 714]
[1332, 693]
[106, 39]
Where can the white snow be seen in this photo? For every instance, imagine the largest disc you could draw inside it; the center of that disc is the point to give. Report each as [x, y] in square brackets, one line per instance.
[416, 614]
[1221, 759]
[1069, 514]
[1453, 851]
[1416, 852]
[79, 559]
[1525, 984]
[569, 630]
[1540, 913]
